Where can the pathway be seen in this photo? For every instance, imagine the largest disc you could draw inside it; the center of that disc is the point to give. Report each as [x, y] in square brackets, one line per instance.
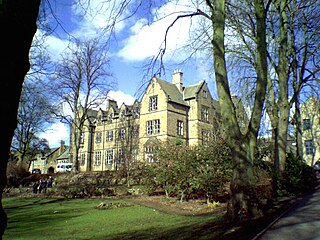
[302, 222]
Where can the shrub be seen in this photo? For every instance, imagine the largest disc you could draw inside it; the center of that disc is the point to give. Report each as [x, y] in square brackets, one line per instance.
[186, 171]
[297, 178]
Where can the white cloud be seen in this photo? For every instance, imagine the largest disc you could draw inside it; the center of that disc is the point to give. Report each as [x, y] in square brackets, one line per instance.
[54, 45]
[121, 97]
[96, 16]
[146, 40]
[55, 133]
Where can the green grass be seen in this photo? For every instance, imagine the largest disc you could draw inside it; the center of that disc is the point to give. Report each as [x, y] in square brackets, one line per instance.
[46, 218]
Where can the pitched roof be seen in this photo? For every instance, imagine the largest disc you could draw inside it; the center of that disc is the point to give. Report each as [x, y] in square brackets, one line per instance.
[172, 92]
[192, 90]
[52, 150]
[65, 154]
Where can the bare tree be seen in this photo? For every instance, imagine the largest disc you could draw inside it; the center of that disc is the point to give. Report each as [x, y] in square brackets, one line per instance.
[33, 113]
[294, 38]
[81, 82]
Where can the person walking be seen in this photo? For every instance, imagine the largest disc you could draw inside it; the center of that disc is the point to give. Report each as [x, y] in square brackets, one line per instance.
[50, 182]
[43, 186]
[35, 187]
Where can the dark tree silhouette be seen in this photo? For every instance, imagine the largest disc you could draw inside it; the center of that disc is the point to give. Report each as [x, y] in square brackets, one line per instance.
[18, 24]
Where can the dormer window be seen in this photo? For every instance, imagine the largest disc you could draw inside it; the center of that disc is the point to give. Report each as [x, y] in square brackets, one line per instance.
[153, 103]
[110, 118]
[123, 114]
[136, 112]
[99, 120]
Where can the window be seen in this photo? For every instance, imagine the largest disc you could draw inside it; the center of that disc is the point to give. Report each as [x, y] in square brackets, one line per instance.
[135, 132]
[97, 158]
[109, 136]
[309, 147]
[110, 118]
[205, 114]
[99, 120]
[149, 154]
[205, 94]
[136, 112]
[153, 103]
[306, 124]
[98, 137]
[109, 157]
[149, 127]
[123, 115]
[135, 153]
[180, 128]
[82, 138]
[205, 135]
[153, 127]
[157, 126]
[122, 133]
[121, 155]
[82, 159]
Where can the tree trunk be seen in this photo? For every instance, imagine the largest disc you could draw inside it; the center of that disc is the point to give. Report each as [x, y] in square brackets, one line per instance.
[242, 194]
[242, 170]
[282, 138]
[298, 130]
[282, 71]
[18, 24]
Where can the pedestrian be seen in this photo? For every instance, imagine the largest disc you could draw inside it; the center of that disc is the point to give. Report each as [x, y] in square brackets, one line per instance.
[43, 186]
[35, 187]
[50, 182]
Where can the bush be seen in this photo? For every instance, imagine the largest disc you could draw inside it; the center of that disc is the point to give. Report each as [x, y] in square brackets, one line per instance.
[16, 175]
[297, 178]
[191, 172]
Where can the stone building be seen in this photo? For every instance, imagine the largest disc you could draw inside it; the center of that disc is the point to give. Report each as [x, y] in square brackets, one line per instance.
[118, 135]
[47, 163]
[310, 114]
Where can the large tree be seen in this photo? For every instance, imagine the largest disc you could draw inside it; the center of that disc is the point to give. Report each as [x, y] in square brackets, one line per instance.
[241, 140]
[18, 25]
[242, 144]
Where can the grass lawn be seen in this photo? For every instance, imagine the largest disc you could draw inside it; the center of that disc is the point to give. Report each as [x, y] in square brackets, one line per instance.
[50, 218]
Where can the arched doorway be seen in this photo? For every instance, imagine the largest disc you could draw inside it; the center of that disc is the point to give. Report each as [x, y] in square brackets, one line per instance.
[51, 170]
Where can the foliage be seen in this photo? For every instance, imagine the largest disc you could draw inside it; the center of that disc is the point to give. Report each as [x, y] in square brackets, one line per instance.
[297, 178]
[188, 171]
[15, 173]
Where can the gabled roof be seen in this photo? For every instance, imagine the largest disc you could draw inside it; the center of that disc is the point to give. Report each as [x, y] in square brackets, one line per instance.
[65, 154]
[172, 92]
[192, 90]
[112, 104]
[52, 151]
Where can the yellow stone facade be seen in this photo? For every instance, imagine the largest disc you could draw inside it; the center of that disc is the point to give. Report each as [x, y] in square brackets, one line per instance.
[117, 136]
[310, 114]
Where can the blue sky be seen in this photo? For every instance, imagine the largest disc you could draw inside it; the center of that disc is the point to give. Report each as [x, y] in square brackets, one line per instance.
[135, 41]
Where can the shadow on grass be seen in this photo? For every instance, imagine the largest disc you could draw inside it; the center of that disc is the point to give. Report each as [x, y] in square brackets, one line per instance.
[43, 220]
[39, 201]
[219, 229]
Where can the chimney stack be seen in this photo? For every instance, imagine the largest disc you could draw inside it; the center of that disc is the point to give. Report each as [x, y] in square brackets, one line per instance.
[62, 146]
[177, 79]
